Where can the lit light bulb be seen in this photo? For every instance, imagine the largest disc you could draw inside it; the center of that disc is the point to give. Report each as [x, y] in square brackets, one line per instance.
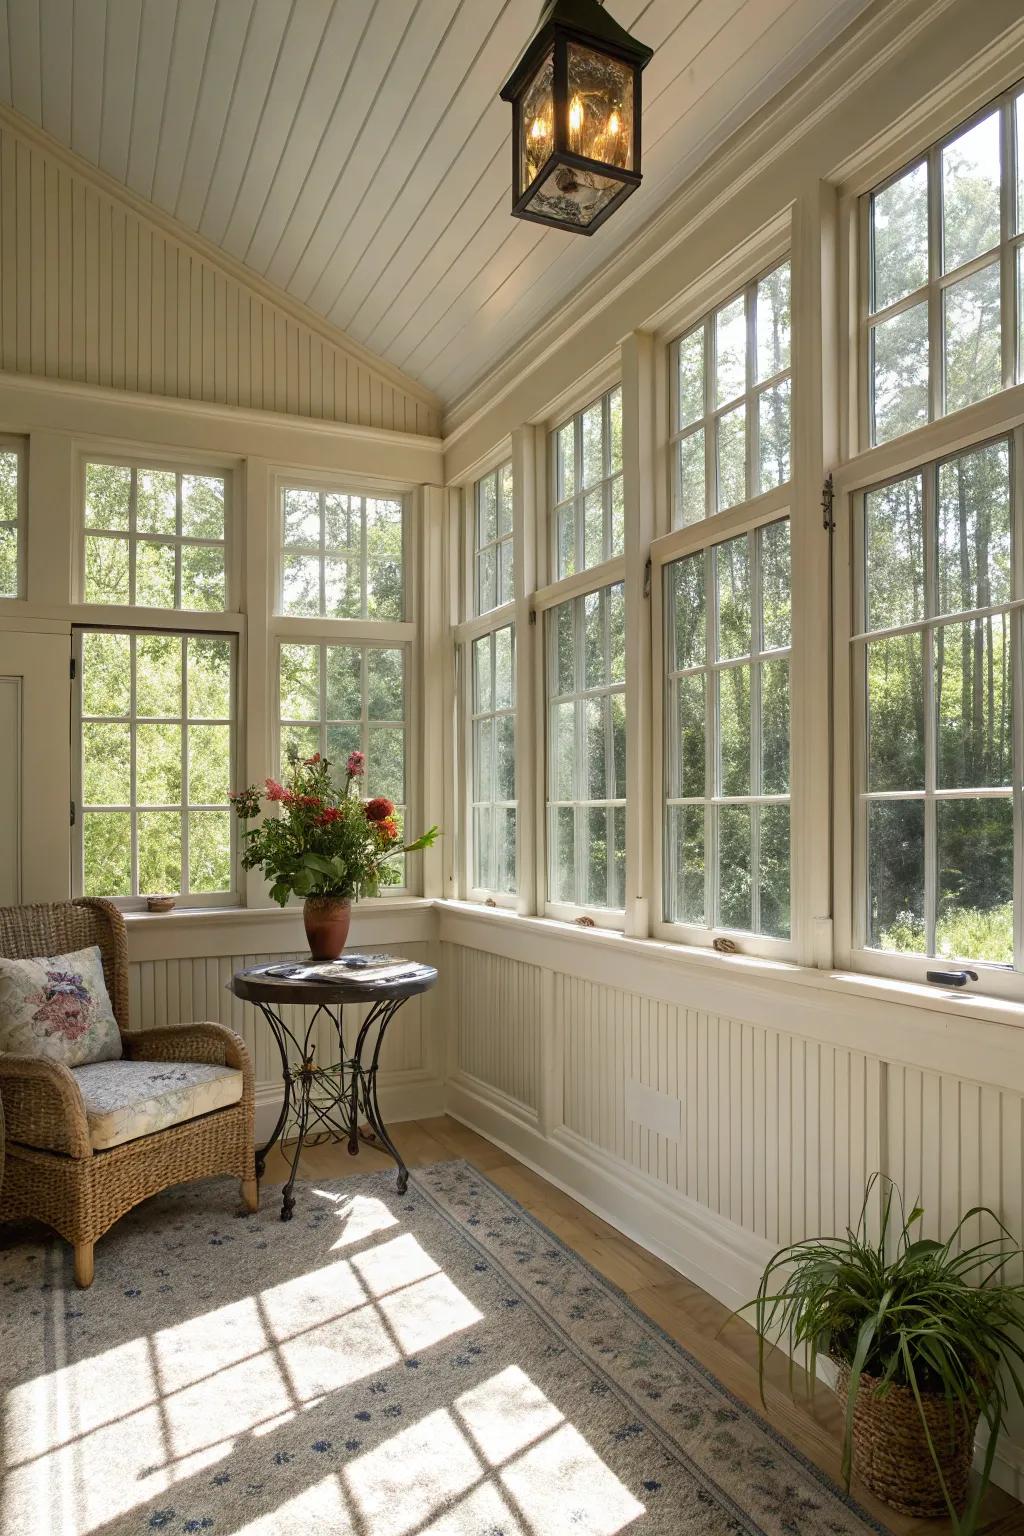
[539, 129]
[575, 115]
[614, 122]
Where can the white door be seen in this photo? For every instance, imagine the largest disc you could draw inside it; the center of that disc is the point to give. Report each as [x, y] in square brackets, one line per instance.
[35, 766]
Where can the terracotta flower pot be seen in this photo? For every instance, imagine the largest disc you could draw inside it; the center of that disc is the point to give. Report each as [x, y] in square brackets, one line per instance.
[890, 1451]
[326, 920]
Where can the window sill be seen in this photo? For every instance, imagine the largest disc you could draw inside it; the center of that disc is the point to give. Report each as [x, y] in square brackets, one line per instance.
[753, 971]
[207, 916]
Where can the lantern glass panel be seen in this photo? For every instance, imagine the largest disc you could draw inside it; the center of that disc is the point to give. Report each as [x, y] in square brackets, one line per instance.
[600, 107]
[536, 123]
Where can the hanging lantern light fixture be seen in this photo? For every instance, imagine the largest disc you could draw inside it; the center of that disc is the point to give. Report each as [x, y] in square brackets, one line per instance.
[575, 97]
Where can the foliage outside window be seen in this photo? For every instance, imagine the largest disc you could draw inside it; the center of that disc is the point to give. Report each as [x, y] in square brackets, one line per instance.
[588, 516]
[10, 520]
[342, 554]
[493, 763]
[154, 538]
[731, 401]
[727, 829]
[339, 699]
[586, 750]
[945, 277]
[156, 746]
[492, 540]
[934, 668]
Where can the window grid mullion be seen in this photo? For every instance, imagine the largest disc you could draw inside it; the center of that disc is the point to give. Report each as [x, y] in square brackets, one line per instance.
[930, 479]
[133, 818]
[364, 557]
[751, 436]
[710, 419]
[936, 349]
[579, 743]
[185, 881]
[712, 756]
[133, 494]
[323, 556]
[1017, 684]
[754, 557]
[1007, 254]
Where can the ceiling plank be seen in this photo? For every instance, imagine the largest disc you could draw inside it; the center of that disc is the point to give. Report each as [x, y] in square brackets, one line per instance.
[124, 21]
[57, 55]
[184, 77]
[156, 40]
[89, 41]
[26, 78]
[231, 28]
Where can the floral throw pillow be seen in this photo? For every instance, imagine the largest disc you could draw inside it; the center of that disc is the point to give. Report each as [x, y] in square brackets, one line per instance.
[58, 1007]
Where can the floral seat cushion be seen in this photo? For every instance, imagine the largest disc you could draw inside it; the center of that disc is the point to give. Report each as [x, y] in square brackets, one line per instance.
[57, 1007]
[126, 1099]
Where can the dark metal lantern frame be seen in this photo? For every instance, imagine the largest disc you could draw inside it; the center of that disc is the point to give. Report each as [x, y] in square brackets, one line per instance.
[586, 23]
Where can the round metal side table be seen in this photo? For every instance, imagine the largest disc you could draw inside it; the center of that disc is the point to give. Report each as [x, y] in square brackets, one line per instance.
[332, 1099]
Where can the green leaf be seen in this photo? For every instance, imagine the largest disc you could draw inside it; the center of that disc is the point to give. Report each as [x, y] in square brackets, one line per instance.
[318, 862]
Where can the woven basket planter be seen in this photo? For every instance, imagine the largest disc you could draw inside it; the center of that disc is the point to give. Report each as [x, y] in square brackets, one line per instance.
[890, 1452]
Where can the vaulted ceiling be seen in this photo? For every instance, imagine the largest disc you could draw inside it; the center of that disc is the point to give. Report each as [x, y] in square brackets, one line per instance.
[355, 152]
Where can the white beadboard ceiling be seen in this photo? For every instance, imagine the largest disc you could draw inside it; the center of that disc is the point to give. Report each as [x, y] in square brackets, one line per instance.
[355, 153]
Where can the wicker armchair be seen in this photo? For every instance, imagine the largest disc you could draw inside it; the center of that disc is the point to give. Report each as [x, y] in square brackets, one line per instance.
[52, 1172]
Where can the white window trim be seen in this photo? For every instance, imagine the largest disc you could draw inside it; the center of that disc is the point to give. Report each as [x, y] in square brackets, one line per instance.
[578, 498]
[186, 463]
[665, 551]
[859, 273]
[10, 443]
[708, 422]
[185, 899]
[345, 485]
[480, 629]
[471, 501]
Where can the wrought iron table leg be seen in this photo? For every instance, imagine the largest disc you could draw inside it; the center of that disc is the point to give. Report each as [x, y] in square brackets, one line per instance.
[367, 1077]
[287, 1194]
[277, 1030]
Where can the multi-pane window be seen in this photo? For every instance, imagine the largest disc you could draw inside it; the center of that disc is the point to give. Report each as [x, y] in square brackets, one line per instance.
[727, 828]
[492, 540]
[155, 728]
[938, 613]
[493, 763]
[731, 402]
[10, 520]
[586, 750]
[339, 699]
[154, 538]
[588, 519]
[945, 276]
[342, 554]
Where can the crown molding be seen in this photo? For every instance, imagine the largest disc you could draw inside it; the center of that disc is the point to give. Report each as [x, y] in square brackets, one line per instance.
[168, 225]
[871, 40]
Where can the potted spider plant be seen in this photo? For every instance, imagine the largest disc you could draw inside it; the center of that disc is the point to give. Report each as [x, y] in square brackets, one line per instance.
[925, 1337]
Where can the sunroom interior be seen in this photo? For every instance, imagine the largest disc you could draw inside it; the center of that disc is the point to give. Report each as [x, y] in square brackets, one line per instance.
[673, 571]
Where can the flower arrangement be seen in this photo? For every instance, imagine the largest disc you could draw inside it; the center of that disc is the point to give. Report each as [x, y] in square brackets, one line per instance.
[327, 842]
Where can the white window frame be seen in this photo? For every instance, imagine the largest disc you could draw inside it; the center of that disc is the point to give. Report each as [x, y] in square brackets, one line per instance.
[185, 899]
[344, 485]
[183, 464]
[18, 446]
[487, 894]
[474, 549]
[750, 397]
[580, 493]
[1005, 253]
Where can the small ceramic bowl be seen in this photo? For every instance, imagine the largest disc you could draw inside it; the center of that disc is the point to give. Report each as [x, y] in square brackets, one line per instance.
[160, 903]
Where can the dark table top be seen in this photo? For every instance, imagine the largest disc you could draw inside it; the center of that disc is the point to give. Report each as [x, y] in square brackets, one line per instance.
[257, 986]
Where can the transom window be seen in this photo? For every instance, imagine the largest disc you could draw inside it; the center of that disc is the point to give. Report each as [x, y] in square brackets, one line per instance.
[154, 538]
[339, 699]
[588, 518]
[10, 519]
[492, 540]
[938, 603]
[731, 401]
[493, 763]
[342, 555]
[945, 279]
[586, 667]
[727, 824]
[154, 739]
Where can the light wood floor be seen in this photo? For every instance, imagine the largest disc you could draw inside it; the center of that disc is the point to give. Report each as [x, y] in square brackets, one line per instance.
[699, 1322]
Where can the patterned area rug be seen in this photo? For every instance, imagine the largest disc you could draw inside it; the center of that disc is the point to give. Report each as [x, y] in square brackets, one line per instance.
[381, 1366]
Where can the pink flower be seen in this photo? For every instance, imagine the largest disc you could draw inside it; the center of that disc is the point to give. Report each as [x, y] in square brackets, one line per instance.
[356, 765]
[275, 791]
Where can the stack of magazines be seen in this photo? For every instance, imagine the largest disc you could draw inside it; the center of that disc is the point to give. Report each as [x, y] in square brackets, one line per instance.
[355, 967]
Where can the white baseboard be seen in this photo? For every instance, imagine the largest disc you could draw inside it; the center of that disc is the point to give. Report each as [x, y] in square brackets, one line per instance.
[712, 1252]
[403, 1096]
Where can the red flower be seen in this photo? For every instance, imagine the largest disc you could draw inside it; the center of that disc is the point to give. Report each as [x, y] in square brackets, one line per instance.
[330, 814]
[356, 765]
[389, 828]
[311, 760]
[275, 791]
[378, 809]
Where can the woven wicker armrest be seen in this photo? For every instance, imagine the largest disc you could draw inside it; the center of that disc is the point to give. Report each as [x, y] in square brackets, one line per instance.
[190, 1042]
[43, 1105]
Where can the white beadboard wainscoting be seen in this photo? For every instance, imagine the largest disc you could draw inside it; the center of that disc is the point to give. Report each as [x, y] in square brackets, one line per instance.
[581, 1052]
[180, 968]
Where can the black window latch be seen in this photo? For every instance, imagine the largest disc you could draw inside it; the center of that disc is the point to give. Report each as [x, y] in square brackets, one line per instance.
[951, 978]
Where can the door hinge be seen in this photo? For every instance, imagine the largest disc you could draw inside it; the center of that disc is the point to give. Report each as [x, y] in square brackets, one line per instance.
[828, 496]
[533, 616]
[73, 813]
[647, 577]
[73, 669]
